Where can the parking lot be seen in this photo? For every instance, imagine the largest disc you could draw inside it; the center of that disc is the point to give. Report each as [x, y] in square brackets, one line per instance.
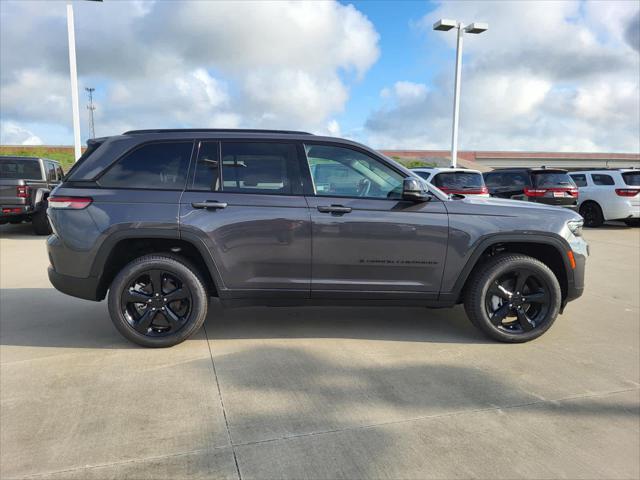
[320, 392]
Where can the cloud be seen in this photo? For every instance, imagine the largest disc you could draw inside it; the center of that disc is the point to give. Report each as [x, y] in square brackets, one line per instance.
[13, 134]
[545, 76]
[255, 64]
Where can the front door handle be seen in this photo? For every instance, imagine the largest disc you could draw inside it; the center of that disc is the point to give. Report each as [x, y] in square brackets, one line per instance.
[209, 204]
[335, 209]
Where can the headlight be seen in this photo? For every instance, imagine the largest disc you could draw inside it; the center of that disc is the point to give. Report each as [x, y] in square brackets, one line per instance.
[576, 227]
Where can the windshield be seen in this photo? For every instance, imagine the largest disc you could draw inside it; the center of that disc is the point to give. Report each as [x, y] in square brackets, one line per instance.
[458, 180]
[552, 180]
[631, 178]
[19, 169]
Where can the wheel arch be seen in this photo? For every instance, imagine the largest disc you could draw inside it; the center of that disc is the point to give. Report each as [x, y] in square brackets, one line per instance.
[552, 250]
[122, 247]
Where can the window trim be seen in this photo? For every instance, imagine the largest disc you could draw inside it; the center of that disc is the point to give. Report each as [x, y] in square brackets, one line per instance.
[310, 192]
[137, 147]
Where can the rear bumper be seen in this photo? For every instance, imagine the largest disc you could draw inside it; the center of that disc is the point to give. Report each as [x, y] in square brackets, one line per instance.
[85, 288]
[12, 211]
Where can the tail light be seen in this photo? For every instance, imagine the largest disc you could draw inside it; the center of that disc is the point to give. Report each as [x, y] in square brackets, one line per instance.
[627, 192]
[23, 191]
[70, 203]
[540, 192]
[534, 192]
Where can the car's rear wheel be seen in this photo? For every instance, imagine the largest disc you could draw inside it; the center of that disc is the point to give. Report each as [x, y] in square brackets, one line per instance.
[592, 214]
[513, 298]
[158, 301]
[40, 222]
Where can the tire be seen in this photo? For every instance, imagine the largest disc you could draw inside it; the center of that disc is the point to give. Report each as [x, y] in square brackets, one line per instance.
[40, 222]
[485, 303]
[157, 321]
[592, 214]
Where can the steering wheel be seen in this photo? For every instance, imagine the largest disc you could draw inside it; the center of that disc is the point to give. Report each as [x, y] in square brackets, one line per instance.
[364, 186]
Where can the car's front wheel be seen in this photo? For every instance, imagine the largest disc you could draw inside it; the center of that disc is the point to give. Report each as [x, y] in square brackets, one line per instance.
[514, 298]
[158, 301]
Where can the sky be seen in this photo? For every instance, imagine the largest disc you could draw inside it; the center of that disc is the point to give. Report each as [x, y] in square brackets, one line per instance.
[546, 76]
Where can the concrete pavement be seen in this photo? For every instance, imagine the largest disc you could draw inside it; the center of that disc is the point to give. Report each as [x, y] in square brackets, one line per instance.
[320, 392]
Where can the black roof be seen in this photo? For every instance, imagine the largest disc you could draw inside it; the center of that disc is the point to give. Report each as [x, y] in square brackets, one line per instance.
[215, 130]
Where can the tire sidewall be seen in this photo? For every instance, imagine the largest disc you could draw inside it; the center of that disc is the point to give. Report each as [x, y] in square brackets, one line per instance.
[597, 211]
[497, 270]
[185, 273]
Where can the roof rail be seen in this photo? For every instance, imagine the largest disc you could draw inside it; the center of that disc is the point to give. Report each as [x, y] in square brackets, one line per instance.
[214, 130]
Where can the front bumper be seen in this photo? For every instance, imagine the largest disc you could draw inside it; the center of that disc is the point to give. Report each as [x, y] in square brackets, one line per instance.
[575, 277]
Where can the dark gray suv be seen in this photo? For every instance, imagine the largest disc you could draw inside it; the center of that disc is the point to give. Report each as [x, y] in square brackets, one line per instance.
[163, 219]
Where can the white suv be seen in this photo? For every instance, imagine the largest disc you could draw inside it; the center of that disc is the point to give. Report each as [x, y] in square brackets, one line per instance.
[608, 195]
[454, 180]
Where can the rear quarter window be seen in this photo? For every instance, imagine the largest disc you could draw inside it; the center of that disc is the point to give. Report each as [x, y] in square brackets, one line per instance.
[631, 178]
[17, 169]
[602, 179]
[157, 166]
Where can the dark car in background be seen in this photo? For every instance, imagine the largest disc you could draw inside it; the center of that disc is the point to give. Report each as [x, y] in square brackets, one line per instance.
[461, 181]
[25, 184]
[550, 186]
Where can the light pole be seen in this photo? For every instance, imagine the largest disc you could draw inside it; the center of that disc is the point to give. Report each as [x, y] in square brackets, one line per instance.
[445, 25]
[91, 109]
[73, 73]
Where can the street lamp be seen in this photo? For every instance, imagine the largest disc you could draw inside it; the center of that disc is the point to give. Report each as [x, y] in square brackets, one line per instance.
[445, 25]
[73, 75]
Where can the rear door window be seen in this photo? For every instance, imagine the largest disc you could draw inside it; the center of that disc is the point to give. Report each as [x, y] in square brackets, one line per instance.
[18, 169]
[631, 178]
[602, 179]
[458, 180]
[157, 166]
[580, 179]
[552, 180]
[206, 175]
[256, 167]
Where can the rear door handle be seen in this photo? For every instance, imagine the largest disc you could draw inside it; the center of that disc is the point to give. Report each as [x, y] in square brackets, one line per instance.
[209, 204]
[337, 209]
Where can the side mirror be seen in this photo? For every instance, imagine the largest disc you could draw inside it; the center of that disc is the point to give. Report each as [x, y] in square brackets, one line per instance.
[412, 189]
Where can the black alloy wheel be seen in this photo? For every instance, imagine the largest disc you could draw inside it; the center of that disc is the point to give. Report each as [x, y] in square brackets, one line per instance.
[517, 302]
[158, 300]
[157, 303]
[512, 298]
